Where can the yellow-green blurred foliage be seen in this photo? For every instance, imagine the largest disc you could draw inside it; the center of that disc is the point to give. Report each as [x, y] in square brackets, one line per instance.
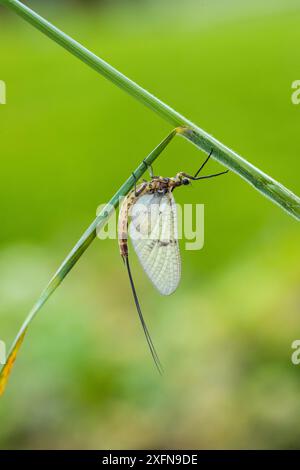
[68, 139]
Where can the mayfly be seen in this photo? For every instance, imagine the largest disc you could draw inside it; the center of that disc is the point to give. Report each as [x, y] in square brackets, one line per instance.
[153, 232]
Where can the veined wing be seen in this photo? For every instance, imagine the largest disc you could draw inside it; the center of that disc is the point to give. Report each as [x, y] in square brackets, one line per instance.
[153, 231]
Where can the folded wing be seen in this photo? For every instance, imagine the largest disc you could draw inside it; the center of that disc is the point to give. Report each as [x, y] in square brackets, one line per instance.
[154, 235]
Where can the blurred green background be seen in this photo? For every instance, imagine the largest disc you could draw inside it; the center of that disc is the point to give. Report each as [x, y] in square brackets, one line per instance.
[68, 139]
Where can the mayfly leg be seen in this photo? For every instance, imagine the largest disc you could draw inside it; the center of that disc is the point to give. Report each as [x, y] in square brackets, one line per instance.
[135, 180]
[161, 146]
[150, 168]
